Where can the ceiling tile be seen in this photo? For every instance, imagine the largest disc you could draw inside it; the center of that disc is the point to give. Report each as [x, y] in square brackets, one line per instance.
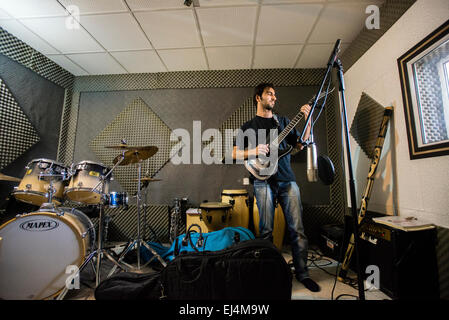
[4, 14]
[227, 26]
[317, 55]
[140, 61]
[116, 31]
[282, 24]
[211, 3]
[67, 64]
[21, 32]
[136, 5]
[170, 29]
[97, 63]
[330, 27]
[66, 40]
[32, 8]
[184, 59]
[227, 58]
[280, 56]
[97, 6]
[295, 1]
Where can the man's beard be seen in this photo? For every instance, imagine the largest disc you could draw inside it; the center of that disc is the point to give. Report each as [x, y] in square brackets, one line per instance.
[268, 106]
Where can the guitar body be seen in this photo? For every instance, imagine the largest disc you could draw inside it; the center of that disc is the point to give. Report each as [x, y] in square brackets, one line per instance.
[264, 169]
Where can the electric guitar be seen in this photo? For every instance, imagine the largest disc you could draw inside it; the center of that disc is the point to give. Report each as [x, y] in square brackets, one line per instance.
[261, 167]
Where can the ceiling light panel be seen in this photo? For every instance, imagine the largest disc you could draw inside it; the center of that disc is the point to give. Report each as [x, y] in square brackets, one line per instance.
[32, 8]
[97, 63]
[64, 39]
[280, 56]
[290, 23]
[140, 61]
[184, 59]
[330, 27]
[116, 31]
[170, 29]
[96, 6]
[228, 58]
[230, 26]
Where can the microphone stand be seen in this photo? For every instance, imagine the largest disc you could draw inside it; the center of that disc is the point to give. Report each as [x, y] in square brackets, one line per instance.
[334, 61]
[338, 65]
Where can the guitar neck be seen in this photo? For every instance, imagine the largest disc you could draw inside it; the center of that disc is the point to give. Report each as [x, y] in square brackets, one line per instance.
[287, 129]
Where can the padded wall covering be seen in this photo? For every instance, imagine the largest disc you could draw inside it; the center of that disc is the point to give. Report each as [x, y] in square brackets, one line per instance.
[41, 102]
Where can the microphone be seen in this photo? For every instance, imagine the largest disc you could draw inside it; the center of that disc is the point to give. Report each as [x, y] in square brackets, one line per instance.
[312, 163]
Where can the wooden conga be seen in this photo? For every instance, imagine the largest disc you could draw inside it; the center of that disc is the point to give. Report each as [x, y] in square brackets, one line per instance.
[278, 225]
[215, 215]
[240, 207]
[193, 216]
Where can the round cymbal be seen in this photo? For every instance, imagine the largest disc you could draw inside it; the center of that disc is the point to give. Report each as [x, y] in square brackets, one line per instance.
[9, 178]
[136, 155]
[128, 147]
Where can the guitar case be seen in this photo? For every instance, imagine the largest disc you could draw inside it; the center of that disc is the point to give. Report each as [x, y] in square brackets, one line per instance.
[250, 270]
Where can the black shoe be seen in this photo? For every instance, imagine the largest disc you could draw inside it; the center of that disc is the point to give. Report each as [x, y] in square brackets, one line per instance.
[310, 284]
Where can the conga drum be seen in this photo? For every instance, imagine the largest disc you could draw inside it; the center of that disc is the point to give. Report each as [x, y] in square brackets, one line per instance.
[278, 224]
[240, 207]
[193, 216]
[215, 215]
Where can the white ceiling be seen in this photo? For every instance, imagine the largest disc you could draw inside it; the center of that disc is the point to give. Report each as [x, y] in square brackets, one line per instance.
[92, 37]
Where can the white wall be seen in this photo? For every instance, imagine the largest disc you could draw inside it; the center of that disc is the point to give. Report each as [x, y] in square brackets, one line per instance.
[402, 186]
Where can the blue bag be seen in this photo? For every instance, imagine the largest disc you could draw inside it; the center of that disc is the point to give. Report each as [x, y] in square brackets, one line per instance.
[193, 241]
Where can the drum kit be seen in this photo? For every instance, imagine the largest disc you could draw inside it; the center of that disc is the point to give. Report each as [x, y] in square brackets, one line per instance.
[37, 247]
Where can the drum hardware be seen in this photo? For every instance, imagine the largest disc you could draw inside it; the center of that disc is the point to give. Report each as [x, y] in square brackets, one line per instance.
[137, 155]
[175, 217]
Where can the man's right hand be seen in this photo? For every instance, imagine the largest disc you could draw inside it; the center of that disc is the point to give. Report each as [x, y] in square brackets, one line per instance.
[262, 149]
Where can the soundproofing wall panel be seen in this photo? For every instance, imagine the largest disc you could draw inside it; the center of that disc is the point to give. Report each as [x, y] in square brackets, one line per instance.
[139, 126]
[366, 123]
[17, 134]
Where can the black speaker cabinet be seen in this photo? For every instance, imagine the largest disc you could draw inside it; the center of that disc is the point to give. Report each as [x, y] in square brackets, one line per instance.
[406, 260]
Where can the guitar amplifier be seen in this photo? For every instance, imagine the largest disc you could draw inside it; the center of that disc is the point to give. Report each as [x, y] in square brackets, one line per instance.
[406, 260]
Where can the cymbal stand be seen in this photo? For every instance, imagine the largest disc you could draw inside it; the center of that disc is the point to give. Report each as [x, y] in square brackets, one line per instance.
[138, 241]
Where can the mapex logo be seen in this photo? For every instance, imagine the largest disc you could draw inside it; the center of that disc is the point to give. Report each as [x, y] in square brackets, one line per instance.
[39, 225]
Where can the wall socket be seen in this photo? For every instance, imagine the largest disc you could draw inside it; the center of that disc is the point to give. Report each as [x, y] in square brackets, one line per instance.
[245, 181]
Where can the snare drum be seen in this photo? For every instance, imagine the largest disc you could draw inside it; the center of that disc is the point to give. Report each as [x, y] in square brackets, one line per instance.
[37, 248]
[34, 188]
[215, 214]
[85, 176]
[116, 199]
[240, 207]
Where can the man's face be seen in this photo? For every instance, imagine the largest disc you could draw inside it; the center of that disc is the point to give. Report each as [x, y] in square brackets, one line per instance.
[268, 98]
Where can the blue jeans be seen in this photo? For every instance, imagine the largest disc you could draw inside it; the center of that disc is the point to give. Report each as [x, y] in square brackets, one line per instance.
[288, 196]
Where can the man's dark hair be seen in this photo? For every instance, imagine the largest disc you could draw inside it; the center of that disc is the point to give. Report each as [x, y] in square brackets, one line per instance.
[259, 90]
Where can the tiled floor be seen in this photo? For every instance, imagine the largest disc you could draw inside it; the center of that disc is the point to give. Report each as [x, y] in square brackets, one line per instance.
[321, 269]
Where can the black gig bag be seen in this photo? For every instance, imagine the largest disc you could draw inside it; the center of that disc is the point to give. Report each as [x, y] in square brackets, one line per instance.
[250, 270]
[130, 286]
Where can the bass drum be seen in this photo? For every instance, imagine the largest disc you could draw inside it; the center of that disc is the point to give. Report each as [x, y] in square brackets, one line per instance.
[278, 224]
[240, 207]
[37, 248]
